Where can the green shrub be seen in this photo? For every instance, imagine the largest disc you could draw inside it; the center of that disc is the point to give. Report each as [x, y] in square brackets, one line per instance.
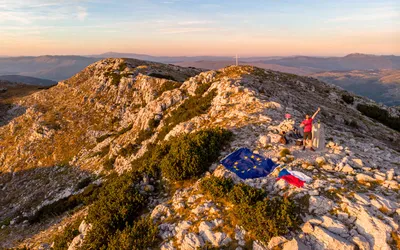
[284, 152]
[216, 187]
[122, 67]
[348, 99]
[162, 76]
[63, 239]
[191, 155]
[269, 218]
[191, 107]
[141, 235]
[129, 149]
[169, 85]
[118, 204]
[380, 115]
[109, 163]
[244, 194]
[83, 183]
[115, 77]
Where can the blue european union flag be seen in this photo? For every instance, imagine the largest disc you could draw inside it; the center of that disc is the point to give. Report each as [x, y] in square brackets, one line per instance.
[247, 165]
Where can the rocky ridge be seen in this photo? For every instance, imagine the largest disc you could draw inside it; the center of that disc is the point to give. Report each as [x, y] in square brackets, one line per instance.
[352, 200]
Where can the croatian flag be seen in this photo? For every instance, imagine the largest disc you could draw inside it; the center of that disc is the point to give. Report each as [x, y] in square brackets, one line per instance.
[294, 178]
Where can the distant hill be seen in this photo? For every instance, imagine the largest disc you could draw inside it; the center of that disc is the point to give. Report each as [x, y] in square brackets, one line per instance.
[55, 68]
[379, 85]
[222, 64]
[28, 80]
[354, 61]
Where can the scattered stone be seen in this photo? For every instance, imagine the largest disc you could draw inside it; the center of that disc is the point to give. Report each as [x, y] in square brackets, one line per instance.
[276, 241]
[364, 178]
[295, 244]
[192, 241]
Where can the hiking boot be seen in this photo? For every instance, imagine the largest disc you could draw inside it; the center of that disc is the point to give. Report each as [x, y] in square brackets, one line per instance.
[304, 148]
[312, 149]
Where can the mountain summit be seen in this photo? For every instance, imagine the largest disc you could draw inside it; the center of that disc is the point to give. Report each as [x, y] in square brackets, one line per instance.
[124, 155]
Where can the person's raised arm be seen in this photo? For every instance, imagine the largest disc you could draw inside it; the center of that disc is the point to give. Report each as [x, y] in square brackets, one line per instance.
[316, 112]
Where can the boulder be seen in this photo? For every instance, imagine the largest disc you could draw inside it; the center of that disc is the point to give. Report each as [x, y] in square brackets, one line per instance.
[295, 244]
[276, 241]
[320, 160]
[192, 241]
[320, 205]
[217, 239]
[364, 178]
[361, 242]
[324, 239]
[373, 229]
[160, 210]
[358, 163]
[264, 140]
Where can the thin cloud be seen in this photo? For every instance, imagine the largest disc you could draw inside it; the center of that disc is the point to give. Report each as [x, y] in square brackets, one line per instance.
[82, 13]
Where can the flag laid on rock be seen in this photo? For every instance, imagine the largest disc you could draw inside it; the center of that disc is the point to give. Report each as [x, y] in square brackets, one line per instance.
[294, 178]
[247, 165]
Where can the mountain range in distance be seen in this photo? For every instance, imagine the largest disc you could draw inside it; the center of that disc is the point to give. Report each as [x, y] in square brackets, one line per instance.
[373, 76]
[27, 80]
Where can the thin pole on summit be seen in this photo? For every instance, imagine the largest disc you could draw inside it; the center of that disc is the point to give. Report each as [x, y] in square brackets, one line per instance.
[237, 60]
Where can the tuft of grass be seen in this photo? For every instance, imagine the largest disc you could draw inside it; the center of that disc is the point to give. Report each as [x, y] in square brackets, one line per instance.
[192, 107]
[141, 235]
[396, 240]
[284, 152]
[63, 239]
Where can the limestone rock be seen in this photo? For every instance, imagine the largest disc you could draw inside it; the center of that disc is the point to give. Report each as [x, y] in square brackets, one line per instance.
[276, 241]
[364, 178]
[192, 241]
[295, 244]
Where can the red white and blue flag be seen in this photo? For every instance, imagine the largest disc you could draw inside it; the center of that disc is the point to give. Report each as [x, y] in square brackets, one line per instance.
[294, 178]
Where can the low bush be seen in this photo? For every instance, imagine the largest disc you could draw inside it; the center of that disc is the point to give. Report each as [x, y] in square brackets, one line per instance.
[269, 218]
[118, 204]
[109, 163]
[115, 77]
[83, 183]
[63, 239]
[169, 85]
[192, 107]
[191, 155]
[284, 152]
[141, 235]
[348, 99]
[216, 187]
[162, 76]
[380, 115]
[244, 194]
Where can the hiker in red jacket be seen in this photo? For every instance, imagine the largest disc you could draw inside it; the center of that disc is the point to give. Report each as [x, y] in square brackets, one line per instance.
[307, 125]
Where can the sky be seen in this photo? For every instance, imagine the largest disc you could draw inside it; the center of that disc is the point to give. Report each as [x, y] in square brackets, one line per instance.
[199, 27]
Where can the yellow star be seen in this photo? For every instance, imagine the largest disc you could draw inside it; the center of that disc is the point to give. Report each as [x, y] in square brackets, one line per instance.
[255, 167]
[252, 156]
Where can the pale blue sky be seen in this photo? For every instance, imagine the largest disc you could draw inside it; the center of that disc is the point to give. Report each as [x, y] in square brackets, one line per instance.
[199, 27]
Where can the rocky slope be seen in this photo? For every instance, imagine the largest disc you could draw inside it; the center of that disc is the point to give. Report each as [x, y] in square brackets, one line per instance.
[59, 140]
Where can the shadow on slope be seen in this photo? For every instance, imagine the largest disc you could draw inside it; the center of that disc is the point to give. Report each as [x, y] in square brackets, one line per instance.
[34, 197]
